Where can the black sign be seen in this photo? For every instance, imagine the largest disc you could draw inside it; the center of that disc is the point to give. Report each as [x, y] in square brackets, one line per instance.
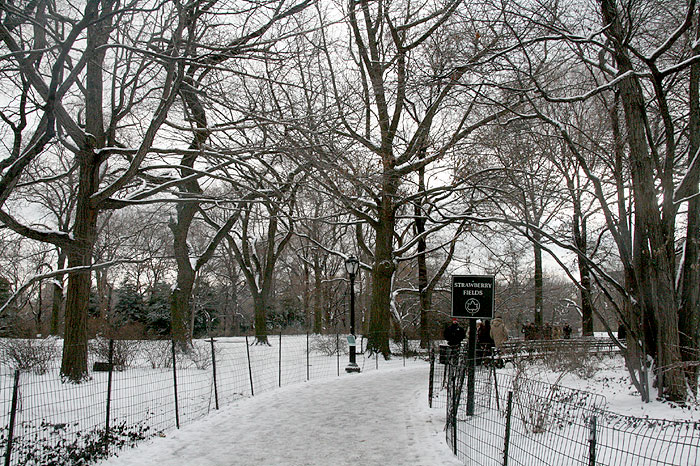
[472, 296]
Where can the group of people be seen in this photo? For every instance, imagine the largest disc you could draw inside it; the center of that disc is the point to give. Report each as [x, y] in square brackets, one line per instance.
[547, 331]
[490, 334]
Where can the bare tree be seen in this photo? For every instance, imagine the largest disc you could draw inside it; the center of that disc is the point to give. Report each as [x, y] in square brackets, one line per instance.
[265, 229]
[252, 39]
[385, 127]
[56, 202]
[526, 186]
[66, 63]
[320, 234]
[626, 57]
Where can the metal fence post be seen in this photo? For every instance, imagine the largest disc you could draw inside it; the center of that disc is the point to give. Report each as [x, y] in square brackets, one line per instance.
[495, 384]
[250, 367]
[177, 408]
[431, 382]
[592, 442]
[109, 385]
[11, 426]
[307, 357]
[337, 351]
[404, 341]
[213, 366]
[506, 439]
[455, 407]
[280, 361]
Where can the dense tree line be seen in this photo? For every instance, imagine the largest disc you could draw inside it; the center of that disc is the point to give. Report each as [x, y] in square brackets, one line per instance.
[199, 166]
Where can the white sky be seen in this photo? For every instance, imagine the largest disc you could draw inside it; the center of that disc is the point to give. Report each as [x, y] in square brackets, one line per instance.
[374, 418]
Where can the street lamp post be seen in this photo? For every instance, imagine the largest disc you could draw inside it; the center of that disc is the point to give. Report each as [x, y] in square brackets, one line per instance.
[352, 266]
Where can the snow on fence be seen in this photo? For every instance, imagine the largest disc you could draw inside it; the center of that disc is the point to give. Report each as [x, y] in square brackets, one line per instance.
[520, 421]
[140, 393]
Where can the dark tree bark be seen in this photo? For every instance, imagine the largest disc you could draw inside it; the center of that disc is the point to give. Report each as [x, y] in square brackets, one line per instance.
[181, 297]
[74, 363]
[383, 272]
[655, 263]
[581, 242]
[57, 297]
[424, 300]
[539, 296]
[689, 314]
[423, 293]
[180, 302]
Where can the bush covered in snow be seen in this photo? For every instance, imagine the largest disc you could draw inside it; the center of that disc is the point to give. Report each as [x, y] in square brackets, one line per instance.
[29, 354]
[124, 352]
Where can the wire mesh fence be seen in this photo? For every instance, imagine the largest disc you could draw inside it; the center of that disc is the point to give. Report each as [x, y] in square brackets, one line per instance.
[147, 388]
[519, 421]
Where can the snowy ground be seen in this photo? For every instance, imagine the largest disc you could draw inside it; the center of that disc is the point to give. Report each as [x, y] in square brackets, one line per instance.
[608, 376]
[377, 417]
[373, 418]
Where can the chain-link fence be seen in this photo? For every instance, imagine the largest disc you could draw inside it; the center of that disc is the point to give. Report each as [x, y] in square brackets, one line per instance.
[139, 389]
[519, 421]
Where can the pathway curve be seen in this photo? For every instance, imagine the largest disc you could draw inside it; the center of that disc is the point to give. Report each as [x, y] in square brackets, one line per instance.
[377, 418]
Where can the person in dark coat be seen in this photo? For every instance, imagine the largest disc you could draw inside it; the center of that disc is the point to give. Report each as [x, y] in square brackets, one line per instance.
[484, 342]
[567, 331]
[530, 331]
[621, 331]
[454, 334]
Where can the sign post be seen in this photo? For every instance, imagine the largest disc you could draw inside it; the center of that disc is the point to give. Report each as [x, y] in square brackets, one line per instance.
[472, 298]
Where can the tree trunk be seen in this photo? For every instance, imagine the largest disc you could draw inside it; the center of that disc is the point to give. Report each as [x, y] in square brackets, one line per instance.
[657, 262]
[424, 297]
[423, 294]
[306, 297]
[181, 297]
[39, 310]
[586, 301]
[74, 361]
[57, 298]
[103, 294]
[260, 302]
[181, 300]
[382, 277]
[539, 320]
[581, 242]
[689, 314]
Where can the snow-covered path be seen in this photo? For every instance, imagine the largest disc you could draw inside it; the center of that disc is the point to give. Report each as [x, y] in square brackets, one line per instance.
[374, 418]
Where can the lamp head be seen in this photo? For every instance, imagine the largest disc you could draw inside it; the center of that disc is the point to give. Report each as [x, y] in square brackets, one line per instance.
[352, 266]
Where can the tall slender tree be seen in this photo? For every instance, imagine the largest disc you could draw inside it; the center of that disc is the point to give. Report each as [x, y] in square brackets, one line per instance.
[76, 65]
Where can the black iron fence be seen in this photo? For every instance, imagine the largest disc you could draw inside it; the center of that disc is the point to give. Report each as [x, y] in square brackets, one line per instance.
[140, 389]
[519, 421]
[537, 349]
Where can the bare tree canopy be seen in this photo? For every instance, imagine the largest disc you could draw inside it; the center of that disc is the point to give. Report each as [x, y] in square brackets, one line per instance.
[277, 138]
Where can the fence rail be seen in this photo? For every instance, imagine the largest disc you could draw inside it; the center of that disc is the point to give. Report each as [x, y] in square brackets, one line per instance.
[519, 421]
[534, 349]
[150, 387]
